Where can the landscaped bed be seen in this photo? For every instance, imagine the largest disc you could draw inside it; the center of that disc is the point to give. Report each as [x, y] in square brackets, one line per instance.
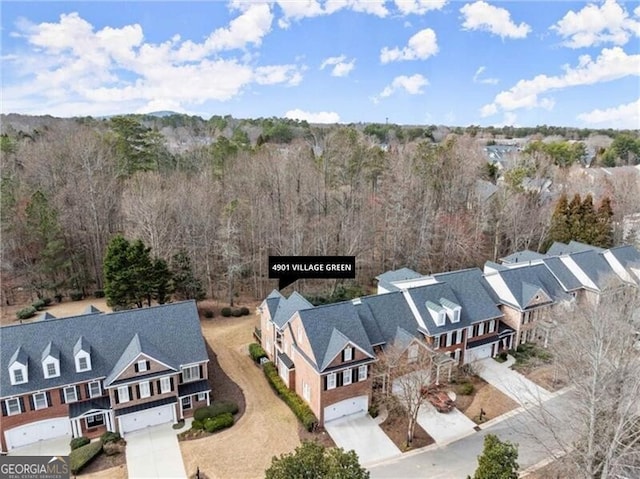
[396, 425]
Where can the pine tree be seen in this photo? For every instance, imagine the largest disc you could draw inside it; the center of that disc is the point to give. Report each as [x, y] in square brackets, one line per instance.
[560, 221]
[117, 276]
[498, 460]
[588, 221]
[185, 285]
[575, 216]
[604, 227]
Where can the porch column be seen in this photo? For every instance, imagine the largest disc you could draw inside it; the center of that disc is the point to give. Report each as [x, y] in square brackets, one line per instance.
[108, 415]
[546, 338]
[449, 375]
[76, 430]
[208, 399]
[438, 375]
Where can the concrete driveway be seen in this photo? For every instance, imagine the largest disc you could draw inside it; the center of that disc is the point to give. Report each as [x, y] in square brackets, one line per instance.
[444, 427]
[154, 452]
[51, 447]
[512, 383]
[362, 434]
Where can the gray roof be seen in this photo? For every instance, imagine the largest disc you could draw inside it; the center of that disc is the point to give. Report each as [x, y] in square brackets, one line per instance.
[91, 309]
[272, 301]
[628, 257]
[287, 307]
[82, 407]
[81, 345]
[194, 387]
[390, 312]
[559, 249]
[476, 296]
[562, 274]
[387, 278]
[330, 328]
[19, 356]
[51, 350]
[525, 282]
[46, 316]
[522, 257]
[597, 268]
[485, 189]
[174, 328]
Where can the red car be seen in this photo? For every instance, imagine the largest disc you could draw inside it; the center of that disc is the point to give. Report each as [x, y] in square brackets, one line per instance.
[439, 399]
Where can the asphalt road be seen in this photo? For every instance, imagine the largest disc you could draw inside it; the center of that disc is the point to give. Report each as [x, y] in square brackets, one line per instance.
[459, 459]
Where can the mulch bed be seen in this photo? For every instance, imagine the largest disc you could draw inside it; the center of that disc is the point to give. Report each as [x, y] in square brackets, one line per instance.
[105, 462]
[396, 427]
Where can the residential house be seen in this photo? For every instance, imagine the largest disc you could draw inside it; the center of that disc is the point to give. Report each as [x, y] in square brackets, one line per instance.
[87, 374]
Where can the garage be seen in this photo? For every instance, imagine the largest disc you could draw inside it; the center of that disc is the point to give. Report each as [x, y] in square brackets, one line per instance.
[481, 352]
[38, 431]
[147, 417]
[346, 408]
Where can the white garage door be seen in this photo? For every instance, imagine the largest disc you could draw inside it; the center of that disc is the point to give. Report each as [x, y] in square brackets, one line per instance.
[346, 407]
[38, 431]
[148, 417]
[478, 353]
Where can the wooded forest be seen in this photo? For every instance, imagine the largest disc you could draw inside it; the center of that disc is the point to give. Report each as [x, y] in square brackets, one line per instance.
[228, 193]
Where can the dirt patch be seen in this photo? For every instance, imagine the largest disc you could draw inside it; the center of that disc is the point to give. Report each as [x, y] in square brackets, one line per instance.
[320, 435]
[107, 467]
[396, 425]
[488, 400]
[559, 469]
[547, 377]
[59, 310]
[463, 401]
[267, 426]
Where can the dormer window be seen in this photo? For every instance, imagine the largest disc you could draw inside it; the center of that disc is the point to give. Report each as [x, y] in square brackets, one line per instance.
[81, 353]
[18, 367]
[18, 377]
[452, 310]
[437, 313]
[51, 370]
[51, 361]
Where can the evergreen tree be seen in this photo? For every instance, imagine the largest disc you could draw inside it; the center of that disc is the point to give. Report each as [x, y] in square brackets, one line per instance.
[560, 221]
[587, 221]
[604, 227]
[498, 460]
[575, 211]
[117, 275]
[161, 281]
[185, 285]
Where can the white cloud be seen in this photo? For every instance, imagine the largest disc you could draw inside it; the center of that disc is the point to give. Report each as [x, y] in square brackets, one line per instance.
[318, 117]
[611, 64]
[341, 68]
[622, 116]
[488, 81]
[418, 7]
[485, 17]
[598, 24]
[420, 46]
[113, 70]
[299, 9]
[413, 85]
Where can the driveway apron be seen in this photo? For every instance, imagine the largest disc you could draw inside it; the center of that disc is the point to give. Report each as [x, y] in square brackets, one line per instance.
[512, 383]
[154, 452]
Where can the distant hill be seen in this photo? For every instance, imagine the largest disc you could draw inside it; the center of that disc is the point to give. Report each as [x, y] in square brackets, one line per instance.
[162, 113]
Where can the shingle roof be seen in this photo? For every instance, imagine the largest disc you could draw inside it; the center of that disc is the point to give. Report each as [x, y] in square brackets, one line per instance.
[559, 249]
[46, 316]
[51, 350]
[522, 257]
[287, 307]
[91, 309]
[79, 408]
[387, 278]
[390, 312]
[81, 345]
[597, 268]
[525, 282]
[175, 327]
[272, 301]
[146, 405]
[19, 356]
[194, 387]
[629, 258]
[562, 274]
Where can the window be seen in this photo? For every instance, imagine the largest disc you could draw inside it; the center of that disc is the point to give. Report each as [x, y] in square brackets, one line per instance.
[190, 374]
[13, 406]
[95, 390]
[40, 401]
[70, 394]
[331, 381]
[436, 342]
[492, 326]
[449, 338]
[165, 385]
[51, 370]
[362, 373]
[123, 394]
[412, 355]
[95, 421]
[18, 377]
[306, 391]
[443, 340]
[83, 364]
[347, 354]
[202, 396]
[186, 402]
[142, 366]
[481, 329]
[459, 336]
[346, 377]
[145, 392]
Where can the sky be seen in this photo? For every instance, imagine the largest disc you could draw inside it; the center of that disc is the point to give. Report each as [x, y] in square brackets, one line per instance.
[520, 63]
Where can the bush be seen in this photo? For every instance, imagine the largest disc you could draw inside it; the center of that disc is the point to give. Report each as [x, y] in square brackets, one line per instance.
[76, 295]
[197, 425]
[300, 408]
[217, 423]
[208, 313]
[466, 389]
[82, 456]
[39, 304]
[236, 312]
[244, 311]
[47, 301]
[98, 293]
[113, 448]
[58, 298]
[216, 408]
[373, 410]
[77, 442]
[256, 352]
[110, 437]
[26, 313]
[226, 312]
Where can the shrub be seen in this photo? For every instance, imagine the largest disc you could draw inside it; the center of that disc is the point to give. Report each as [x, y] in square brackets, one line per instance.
[58, 298]
[226, 312]
[300, 408]
[39, 304]
[26, 313]
[219, 422]
[503, 355]
[98, 293]
[47, 301]
[236, 312]
[112, 448]
[77, 442]
[373, 410]
[256, 352]
[208, 313]
[466, 389]
[79, 458]
[197, 425]
[110, 437]
[216, 408]
[76, 295]
[244, 311]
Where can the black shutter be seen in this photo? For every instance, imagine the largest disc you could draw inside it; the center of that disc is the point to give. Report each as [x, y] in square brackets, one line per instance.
[324, 381]
[148, 365]
[22, 405]
[86, 390]
[201, 371]
[339, 379]
[151, 387]
[130, 393]
[48, 394]
[62, 401]
[171, 383]
[117, 397]
[135, 366]
[343, 356]
[137, 391]
[4, 408]
[158, 387]
[78, 392]
[32, 405]
[354, 375]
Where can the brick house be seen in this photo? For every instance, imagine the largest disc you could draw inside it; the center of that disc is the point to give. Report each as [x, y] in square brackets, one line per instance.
[87, 374]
